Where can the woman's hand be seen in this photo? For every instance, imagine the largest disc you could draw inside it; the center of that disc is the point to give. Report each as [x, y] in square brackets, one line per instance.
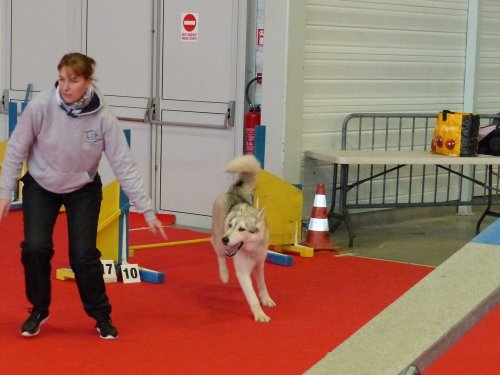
[155, 226]
[4, 208]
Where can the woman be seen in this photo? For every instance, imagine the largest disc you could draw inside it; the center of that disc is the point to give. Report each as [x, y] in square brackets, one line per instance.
[62, 134]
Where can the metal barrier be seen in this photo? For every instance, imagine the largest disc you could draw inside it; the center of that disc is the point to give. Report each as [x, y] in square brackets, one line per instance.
[415, 185]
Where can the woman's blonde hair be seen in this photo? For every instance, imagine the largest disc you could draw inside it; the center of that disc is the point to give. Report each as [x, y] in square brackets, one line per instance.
[79, 64]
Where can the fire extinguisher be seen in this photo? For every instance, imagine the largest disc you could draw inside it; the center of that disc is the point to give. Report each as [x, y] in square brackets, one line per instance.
[252, 120]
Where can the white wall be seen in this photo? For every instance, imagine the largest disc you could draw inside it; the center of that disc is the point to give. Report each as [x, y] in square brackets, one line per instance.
[488, 83]
[377, 56]
[394, 56]
[380, 56]
[273, 84]
[283, 86]
[324, 59]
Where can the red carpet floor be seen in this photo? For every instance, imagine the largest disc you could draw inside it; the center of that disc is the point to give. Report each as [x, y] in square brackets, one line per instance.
[476, 353]
[193, 324]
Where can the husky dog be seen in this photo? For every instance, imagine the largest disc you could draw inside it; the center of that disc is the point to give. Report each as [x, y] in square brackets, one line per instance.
[239, 231]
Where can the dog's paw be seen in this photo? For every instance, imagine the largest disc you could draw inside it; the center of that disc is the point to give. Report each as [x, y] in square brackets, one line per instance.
[261, 317]
[223, 271]
[267, 301]
[224, 275]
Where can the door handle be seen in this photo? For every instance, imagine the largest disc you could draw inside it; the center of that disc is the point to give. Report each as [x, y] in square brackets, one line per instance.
[5, 102]
[229, 120]
[226, 118]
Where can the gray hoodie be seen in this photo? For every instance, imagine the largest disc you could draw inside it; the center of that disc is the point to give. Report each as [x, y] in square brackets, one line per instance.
[63, 150]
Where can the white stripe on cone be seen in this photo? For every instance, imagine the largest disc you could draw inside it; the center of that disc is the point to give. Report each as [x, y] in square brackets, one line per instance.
[318, 225]
[319, 200]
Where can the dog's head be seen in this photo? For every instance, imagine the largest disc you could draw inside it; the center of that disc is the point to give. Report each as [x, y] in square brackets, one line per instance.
[244, 228]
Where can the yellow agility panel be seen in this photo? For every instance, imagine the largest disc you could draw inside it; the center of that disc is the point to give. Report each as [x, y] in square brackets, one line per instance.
[283, 209]
[3, 147]
[108, 229]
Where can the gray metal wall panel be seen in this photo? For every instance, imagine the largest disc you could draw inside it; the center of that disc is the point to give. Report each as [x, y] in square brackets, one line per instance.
[378, 56]
[488, 86]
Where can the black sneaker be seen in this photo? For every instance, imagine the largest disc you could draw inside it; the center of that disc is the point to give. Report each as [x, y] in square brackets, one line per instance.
[31, 326]
[106, 329]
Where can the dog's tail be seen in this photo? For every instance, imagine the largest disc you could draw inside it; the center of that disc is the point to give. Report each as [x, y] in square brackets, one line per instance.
[247, 167]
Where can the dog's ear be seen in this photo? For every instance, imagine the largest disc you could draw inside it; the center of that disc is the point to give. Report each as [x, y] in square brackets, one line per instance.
[228, 219]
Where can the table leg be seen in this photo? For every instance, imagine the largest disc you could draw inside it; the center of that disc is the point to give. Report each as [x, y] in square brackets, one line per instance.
[344, 212]
[334, 219]
[487, 211]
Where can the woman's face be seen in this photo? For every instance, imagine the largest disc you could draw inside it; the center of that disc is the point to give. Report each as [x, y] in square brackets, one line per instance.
[72, 87]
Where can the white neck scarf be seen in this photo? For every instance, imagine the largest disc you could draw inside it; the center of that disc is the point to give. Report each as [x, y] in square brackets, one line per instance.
[78, 105]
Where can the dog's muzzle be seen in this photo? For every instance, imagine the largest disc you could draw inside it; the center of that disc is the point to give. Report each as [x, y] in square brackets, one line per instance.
[231, 250]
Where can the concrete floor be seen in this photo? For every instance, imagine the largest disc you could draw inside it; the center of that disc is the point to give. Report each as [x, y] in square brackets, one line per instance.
[425, 236]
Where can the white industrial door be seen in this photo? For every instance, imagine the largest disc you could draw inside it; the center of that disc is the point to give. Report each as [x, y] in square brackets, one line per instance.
[37, 40]
[118, 36]
[144, 50]
[199, 85]
[116, 33]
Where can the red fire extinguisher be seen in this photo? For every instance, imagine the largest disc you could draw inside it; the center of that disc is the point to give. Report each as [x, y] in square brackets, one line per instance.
[252, 120]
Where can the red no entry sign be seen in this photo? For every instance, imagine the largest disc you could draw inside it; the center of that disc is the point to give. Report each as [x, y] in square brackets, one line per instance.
[189, 22]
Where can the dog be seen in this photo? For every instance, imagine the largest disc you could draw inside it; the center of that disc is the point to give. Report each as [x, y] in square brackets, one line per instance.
[239, 231]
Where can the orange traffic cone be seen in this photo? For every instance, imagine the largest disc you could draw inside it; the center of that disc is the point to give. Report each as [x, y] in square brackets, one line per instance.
[318, 233]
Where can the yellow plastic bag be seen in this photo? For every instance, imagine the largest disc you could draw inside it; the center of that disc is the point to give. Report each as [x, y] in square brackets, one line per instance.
[455, 134]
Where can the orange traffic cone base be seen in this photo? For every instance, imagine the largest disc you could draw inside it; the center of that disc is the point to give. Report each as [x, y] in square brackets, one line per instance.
[320, 241]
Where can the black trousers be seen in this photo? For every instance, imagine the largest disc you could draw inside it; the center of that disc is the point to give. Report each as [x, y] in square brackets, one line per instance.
[41, 209]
